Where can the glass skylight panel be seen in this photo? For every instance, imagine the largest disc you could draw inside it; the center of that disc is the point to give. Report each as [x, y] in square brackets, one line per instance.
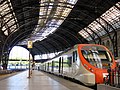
[95, 30]
[84, 33]
[6, 33]
[3, 28]
[6, 19]
[95, 26]
[58, 11]
[6, 9]
[101, 33]
[88, 30]
[3, 9]
[3, 5]
[101, 21]
[72, 1]
[11, 22]
[69, 6]
[66, 12]
[48, 12]
[116, 23]
[13, 27]
[41, 11]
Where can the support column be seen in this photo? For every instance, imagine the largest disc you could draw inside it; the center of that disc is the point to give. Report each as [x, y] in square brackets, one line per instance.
[115, 45]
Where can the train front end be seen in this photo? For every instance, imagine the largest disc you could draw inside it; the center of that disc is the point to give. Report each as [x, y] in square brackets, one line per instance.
[97, 59]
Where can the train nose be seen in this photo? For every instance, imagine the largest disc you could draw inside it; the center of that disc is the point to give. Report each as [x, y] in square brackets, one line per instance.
[100, 74]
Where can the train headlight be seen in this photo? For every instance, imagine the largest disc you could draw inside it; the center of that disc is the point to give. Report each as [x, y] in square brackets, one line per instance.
[105, 74]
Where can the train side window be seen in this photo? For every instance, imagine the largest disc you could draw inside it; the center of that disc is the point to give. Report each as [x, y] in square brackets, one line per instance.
[74, 56]
[69, 61]
[52, 66]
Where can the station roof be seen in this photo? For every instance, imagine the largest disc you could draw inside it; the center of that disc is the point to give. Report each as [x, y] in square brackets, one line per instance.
[55, 25]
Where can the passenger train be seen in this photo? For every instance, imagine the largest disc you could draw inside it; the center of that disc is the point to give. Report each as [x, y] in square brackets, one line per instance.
[87, 63]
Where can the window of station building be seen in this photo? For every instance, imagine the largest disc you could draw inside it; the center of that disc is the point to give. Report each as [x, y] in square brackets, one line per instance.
[118, 52]
[119, 41]
[108, 43]
[103, 43]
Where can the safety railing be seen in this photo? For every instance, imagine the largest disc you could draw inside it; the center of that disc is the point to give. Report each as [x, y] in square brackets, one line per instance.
[113, 78]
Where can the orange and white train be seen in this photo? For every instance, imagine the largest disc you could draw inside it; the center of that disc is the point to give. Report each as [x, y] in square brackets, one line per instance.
[87, 63]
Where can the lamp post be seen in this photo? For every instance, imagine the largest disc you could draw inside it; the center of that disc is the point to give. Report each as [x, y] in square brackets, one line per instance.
[29, 47]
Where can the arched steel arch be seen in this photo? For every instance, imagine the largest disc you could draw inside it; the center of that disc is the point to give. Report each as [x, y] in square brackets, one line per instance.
[10, 35]
[57, 41]
[69, 31]
[53, 45]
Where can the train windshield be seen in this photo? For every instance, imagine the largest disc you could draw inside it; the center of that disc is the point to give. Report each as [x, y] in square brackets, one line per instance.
[97, 56]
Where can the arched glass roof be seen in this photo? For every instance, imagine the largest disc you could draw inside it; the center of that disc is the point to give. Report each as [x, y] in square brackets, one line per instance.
[55, 25]
[109, 21]
[51, 16]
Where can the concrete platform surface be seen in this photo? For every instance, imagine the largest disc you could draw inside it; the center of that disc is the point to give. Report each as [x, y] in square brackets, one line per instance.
[106, 87]
[38, 81]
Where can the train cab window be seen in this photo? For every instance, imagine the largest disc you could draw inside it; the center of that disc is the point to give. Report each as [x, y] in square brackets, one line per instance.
[97, 56]
[74, 56]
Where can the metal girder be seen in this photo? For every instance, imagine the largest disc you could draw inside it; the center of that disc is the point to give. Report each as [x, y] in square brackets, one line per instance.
[59, 43]
[51, 43]
[75, 28]
[20, 34]
[63, 40]
[71, 33]
[36, 49]
[42, 45]
[41, 50]
[113, 40]
[68, 36]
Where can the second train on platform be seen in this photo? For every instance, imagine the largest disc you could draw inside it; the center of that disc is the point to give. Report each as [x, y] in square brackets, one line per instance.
[87, 63]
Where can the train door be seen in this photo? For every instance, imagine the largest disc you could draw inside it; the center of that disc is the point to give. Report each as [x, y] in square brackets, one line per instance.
[74, 63]
[67, 64]
[62, 66]
[59, 65]
[52, 66]
[45, 67]
[48, 67]
[56, 66]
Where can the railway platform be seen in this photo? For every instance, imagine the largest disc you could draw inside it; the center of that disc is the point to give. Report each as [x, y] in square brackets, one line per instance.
[38, 81]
